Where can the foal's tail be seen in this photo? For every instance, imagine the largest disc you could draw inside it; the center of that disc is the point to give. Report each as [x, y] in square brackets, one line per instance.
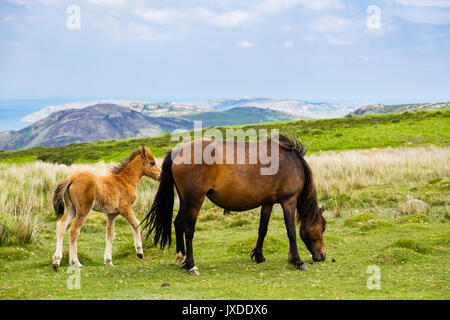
[160, 216]
[58, 197]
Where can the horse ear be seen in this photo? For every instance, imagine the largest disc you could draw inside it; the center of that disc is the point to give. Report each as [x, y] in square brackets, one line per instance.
[322, 209]
[144, 152]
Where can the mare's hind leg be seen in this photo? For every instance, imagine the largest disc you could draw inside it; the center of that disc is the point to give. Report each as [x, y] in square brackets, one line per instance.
[189, 220]
[129, 215]
[257, 253]
[111, 218]
[289, 207]
[180, 252]
[61, 227]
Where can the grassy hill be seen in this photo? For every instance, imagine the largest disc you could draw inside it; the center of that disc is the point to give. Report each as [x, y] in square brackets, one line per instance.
[353, 132]
[376, 108]
[239, 116]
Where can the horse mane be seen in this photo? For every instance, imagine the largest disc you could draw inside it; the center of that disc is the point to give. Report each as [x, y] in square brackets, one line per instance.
[292, 143]
[117, 169]
[308, 209]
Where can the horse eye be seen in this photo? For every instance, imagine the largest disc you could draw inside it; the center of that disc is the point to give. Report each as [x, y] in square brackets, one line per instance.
[152, 163]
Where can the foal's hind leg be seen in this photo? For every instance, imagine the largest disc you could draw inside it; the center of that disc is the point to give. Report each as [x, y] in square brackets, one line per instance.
[257, 253]
[111, 218]
[75, 229]
[129, 215]
[289, 207]
[61, 227]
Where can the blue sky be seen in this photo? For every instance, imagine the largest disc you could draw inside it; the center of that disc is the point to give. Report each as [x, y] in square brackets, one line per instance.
[175, 50]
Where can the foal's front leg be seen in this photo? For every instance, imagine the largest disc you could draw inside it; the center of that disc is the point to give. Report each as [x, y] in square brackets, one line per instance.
[129, 215]
[111, 218]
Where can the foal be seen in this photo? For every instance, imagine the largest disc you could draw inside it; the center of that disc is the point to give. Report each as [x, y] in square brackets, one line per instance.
[113, 195]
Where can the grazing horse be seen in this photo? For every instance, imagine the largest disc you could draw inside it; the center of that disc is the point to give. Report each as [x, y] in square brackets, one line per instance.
[238, 187]
[113, 195]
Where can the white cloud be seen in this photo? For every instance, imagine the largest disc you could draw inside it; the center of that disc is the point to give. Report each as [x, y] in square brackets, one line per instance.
[158, 16]
[425, 16]
[246, 44]
[227, 19]
[330, 23]
[106, 3]
[425, 3]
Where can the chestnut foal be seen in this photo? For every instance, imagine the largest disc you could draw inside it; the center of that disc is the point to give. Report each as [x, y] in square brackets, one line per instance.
[113, 194]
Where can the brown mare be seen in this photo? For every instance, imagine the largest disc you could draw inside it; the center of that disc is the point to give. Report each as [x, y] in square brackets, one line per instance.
[238, 187]
[113, 195]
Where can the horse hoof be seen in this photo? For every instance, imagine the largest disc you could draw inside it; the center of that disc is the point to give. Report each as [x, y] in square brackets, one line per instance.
[261, 260]
[55, 266]
[109, 263]
[140, 255]
[194, 271]
[76, 264]
[302, 267]
[179, 258]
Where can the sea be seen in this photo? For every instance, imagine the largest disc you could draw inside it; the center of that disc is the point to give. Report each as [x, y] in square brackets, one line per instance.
[13, 110]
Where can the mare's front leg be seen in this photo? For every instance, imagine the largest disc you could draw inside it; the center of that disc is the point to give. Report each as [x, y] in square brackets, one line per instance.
[111, 218]
[129, 215]
[257, 253]
[289, 207]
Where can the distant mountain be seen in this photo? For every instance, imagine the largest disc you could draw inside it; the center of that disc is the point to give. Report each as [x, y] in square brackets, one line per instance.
[98, 122]
[382, 108]
[240, 116]
[153, 109]
[299, 108]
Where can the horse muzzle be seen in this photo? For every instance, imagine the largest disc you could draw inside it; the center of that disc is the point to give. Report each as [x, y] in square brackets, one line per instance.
[319, 257]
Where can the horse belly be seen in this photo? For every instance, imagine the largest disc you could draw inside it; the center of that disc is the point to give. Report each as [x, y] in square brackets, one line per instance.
[239, 199]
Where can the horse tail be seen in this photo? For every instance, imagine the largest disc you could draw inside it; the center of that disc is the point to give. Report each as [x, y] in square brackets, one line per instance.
[160, 216]
[58, 197]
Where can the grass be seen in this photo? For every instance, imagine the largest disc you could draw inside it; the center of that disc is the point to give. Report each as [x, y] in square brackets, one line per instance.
[408, 129]
[362, 191]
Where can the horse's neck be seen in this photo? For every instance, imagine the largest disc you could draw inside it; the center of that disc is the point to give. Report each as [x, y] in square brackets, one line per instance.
[132, 173]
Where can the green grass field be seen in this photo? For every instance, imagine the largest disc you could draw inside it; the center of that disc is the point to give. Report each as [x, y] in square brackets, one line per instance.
[412, 254]
[407, 129]
[362, 191]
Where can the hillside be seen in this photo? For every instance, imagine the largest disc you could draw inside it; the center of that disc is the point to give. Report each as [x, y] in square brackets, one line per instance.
[152, 109]
[377, 108]
[239, 116]
[98, 122]
[377, 131]
[298, 108]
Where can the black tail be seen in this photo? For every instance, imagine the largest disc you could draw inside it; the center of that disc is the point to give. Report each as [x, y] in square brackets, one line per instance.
[307, 204]
[58, 197]
[160, 216]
